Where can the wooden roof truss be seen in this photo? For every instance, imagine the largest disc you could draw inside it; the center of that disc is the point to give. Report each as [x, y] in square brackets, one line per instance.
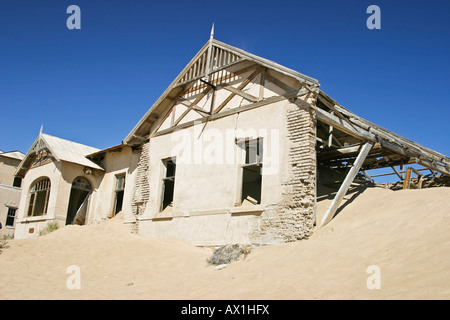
[345, 141]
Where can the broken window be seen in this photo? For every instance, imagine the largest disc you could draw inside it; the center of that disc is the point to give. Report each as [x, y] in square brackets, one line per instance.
[39, 195]
[251, 171]
[168, 184]
[119, 190]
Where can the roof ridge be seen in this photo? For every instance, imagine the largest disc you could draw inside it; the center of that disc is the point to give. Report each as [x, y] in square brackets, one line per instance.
[59, 138]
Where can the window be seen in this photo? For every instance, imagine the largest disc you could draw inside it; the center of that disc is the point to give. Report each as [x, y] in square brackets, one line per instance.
[119, 190]
[10, 217]
[39, 195]
[168, 184]
[251, 171]
[17, 182]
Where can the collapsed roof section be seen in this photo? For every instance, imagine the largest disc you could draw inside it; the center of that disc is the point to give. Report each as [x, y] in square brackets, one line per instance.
[341, 133]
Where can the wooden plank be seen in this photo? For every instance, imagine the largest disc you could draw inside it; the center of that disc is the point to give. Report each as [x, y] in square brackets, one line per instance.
[200, 97]
[346, 184]
[397, 173]
[223, 114]
[433, 165]
[199, 110]
[238, 92]
[166, 115]
[262, 82]
[407, 181]
[390, 136]
[278, 82]
[367, 176]
[338, 123]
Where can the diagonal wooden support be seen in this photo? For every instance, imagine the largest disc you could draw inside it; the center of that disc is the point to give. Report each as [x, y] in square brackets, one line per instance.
[193, 104]
[346, 184]
[240, 87]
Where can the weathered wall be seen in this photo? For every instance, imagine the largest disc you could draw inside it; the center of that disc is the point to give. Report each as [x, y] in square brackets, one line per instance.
[9, 195]
[141, 186]
[293, 218]
[61, 175]
[205, 208]
[29, 226]
[7, 168]
[69, 172]
[117, 162]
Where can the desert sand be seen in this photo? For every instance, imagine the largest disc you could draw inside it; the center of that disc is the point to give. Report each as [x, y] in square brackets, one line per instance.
[405, 234]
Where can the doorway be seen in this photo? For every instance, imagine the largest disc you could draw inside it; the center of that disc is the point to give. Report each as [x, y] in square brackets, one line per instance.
[119, 191]
[78, 201]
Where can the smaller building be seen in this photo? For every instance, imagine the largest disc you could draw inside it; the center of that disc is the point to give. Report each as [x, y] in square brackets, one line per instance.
[58, 184]
[9, 190]
[71, 183]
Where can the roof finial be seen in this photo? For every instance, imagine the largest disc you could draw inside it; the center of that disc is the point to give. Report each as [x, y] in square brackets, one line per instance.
[212, 32]
[42, 127]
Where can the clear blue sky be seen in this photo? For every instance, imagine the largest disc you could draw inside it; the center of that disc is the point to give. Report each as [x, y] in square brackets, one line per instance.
[93, 85]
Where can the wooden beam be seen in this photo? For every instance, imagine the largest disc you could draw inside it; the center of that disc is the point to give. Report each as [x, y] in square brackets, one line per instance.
[433, 165]
[262, 82]
[407, 181]
[200, 97]
[278, 82]
[166, 115]
[367, 176]
[227, 113]
[346, 184]
[338, 123]
[199, 110]
[240, 87]
[238, 92]
[397, 173]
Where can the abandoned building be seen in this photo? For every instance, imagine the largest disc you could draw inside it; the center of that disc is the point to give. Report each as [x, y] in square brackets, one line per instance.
[231, 152]
[9, 190]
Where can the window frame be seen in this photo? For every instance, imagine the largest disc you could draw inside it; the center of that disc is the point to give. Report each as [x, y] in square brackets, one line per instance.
[8, 217]
[249, 162]
[167, 179]
[42, 185]
[117, 189]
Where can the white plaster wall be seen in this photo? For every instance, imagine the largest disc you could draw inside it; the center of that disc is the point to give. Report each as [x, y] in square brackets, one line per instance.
[9, 197]
[25, 224]
[71, 171]
[123, 161]
[206, 193]
[61, 175]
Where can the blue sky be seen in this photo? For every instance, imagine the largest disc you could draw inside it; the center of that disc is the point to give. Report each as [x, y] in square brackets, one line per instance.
[93, 85]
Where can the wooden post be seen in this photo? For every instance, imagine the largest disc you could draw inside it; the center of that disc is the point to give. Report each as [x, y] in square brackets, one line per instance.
[346, 184]
[407, 180]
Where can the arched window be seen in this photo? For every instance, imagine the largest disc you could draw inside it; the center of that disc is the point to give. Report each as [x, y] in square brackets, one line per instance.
[39, 195]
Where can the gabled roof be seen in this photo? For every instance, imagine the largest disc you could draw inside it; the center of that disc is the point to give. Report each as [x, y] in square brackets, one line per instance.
[216, 56]
[13, 155]
[213, 56]
[61, 150]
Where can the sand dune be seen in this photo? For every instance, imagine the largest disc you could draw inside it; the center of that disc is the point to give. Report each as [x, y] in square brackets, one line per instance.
[405, 234]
